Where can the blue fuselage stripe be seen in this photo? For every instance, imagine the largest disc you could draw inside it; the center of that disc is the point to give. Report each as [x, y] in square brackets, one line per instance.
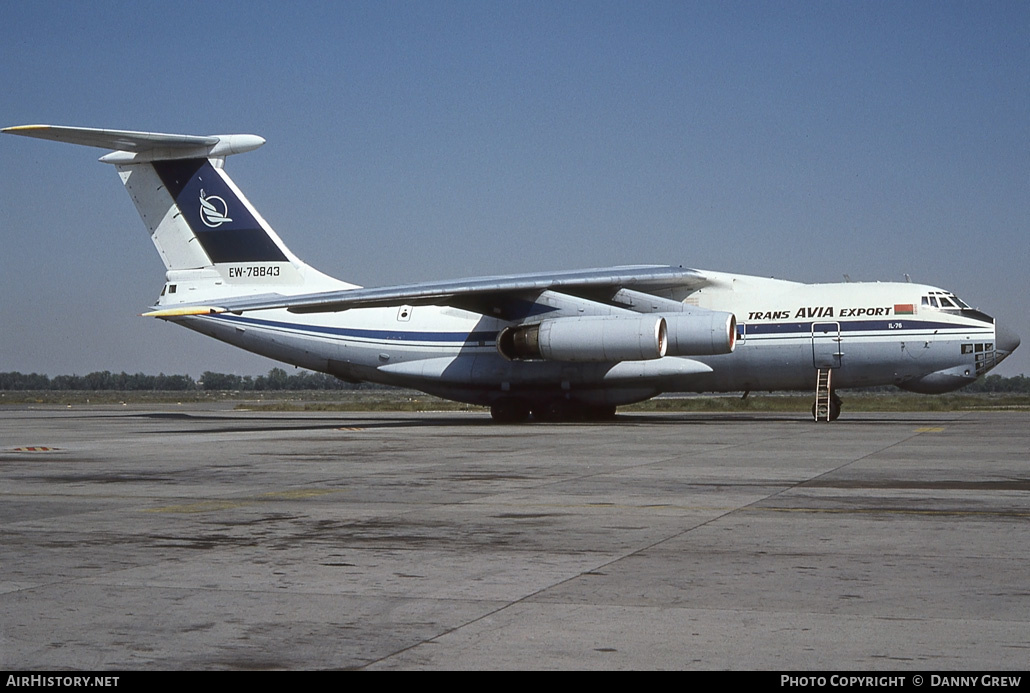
[897, 325]
[385, 335]
[864, 328]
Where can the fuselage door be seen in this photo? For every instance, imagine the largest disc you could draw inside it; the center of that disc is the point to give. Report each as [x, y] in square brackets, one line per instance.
[826, 341]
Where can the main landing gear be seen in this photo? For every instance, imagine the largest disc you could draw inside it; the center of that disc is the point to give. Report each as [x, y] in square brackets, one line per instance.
[510, 411]
[514, 410]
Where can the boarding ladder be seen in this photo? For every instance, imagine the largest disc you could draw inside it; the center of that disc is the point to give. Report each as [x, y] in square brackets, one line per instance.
[821, 411]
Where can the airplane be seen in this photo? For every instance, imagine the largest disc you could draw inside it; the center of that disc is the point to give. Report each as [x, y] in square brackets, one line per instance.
[554, 346]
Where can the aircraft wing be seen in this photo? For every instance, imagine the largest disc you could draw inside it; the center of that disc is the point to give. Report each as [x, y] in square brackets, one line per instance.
[485, 295]
[124, 140]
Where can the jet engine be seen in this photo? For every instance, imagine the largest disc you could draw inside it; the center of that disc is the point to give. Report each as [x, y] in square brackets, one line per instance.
[586, 339]
[609, 339]
[701, 334]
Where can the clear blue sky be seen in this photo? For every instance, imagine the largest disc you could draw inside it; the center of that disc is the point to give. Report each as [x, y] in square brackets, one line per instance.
[429, 140]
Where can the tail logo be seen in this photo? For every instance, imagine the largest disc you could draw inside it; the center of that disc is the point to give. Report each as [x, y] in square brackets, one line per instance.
[213, 210]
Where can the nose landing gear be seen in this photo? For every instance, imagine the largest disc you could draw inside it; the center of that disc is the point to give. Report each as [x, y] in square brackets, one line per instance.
[827, 404]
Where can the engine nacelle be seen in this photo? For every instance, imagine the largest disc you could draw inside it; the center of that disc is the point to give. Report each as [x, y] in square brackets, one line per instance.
[701, 334]
[586, 339]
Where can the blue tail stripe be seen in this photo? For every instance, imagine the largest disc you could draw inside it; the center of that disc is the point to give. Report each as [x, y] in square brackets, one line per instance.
[226, 229]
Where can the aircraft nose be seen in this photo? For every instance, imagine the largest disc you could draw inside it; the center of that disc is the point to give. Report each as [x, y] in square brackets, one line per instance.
[1005, 339]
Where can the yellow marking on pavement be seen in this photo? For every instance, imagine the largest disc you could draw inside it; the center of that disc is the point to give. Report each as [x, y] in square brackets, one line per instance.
[298, 493]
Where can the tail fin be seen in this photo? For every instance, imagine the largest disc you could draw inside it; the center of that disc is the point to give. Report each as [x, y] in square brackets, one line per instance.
[211, 239]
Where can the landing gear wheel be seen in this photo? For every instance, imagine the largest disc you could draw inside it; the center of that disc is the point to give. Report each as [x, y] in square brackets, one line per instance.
[509, 411]
[835, 404]
[557, 410]
[602, 412]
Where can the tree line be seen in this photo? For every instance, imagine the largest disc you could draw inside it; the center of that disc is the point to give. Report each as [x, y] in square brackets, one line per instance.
[996, 383]
[277, 379]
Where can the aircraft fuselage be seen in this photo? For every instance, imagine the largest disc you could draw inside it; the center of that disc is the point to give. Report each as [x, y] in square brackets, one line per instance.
[866, 333]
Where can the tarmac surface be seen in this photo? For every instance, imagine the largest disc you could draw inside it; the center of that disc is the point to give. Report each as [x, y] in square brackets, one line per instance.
[184, 537]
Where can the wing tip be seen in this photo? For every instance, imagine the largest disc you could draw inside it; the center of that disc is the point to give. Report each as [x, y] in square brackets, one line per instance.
[183, 311]
[25, 129]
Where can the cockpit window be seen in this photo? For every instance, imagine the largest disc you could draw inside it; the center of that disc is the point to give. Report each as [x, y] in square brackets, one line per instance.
[949, 303]
[942, 300]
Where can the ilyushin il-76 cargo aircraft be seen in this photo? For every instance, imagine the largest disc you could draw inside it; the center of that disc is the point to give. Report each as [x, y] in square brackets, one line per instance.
[548, 346]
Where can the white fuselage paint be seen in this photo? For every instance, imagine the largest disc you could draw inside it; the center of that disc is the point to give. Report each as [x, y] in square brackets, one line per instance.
[868, 333]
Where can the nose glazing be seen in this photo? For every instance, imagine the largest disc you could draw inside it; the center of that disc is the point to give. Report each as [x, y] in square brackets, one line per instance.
[1005, 340]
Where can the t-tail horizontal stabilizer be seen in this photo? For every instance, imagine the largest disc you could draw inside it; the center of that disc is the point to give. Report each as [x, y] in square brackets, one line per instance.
[214, 243]
[136, 147]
